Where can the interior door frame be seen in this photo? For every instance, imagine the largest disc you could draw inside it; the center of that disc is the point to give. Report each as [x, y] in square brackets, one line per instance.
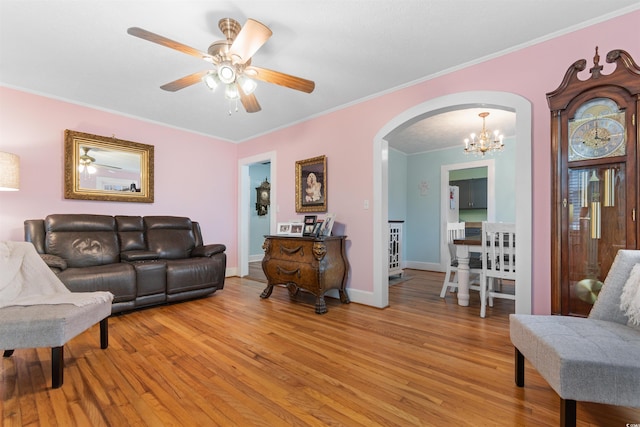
[490, 164]
[244, 204]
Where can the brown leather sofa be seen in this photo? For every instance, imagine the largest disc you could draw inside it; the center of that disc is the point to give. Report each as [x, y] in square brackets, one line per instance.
[143, 261]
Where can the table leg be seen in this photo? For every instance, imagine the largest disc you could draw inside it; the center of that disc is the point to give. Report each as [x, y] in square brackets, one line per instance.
[462, 252]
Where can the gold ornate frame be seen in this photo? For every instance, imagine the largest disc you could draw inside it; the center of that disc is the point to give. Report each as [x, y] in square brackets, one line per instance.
[311, 201]
[122, 170]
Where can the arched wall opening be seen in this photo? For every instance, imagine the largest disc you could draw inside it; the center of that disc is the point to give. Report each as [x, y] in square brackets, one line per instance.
[522, 108]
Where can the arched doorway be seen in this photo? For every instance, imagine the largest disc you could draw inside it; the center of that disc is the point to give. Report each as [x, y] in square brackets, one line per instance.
[522, 107]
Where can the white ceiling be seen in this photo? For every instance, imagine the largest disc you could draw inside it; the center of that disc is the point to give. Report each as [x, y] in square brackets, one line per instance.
[79, 51]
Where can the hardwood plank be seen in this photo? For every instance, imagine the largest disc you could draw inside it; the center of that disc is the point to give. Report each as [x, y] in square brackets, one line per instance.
[235, 359]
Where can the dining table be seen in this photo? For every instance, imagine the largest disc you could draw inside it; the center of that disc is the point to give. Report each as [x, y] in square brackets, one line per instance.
[464, 248]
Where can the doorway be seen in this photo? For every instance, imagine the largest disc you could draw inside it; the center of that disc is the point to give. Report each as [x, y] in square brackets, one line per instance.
[245, 191]
[523, 196]
[445, 173]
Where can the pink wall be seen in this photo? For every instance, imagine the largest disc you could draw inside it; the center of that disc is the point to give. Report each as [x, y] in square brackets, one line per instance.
[195, 176]
[346, 137]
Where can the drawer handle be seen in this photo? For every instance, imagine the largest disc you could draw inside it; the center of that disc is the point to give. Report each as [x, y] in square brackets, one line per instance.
[282, 270]
[292, 251]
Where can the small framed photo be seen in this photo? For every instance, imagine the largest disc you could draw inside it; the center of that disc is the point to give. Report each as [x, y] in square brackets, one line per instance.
[284, 228]
[317, 228]
[296, 228]
[327, 224]
[311, 185]
[309, 225]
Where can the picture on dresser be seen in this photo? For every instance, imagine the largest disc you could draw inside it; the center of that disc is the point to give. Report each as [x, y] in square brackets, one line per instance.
[317, 228]
[297, 228]
[311, 185]
[309, 225]
[327, 224]
[284, 228]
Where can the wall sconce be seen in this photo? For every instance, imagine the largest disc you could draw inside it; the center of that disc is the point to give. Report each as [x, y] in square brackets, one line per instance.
[9, 172]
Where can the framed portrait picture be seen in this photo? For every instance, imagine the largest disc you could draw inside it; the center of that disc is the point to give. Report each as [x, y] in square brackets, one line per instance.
[311, 185]
[309, 225]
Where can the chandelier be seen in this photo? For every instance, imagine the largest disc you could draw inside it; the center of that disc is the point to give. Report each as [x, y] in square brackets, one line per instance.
[485, 141]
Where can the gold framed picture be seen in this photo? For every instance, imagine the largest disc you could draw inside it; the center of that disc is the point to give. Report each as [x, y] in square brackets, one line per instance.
[311, 185]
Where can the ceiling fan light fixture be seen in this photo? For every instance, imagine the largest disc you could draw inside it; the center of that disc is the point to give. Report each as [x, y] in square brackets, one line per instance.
[212, 80]
[247, 85]
[231, 92]
[226, 73]
[232, 63]
[88, 167]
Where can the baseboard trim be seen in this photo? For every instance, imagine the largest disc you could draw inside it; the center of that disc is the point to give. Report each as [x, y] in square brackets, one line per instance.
[427, 266]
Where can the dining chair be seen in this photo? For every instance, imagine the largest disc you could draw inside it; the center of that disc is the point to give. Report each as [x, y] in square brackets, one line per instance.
[456, 230]
[498, 261]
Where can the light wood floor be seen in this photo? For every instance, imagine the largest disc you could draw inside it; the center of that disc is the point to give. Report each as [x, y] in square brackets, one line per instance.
[233, 359]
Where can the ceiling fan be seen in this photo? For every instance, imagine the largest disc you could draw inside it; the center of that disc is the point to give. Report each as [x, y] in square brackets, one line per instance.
[232, 61]
[88, 163]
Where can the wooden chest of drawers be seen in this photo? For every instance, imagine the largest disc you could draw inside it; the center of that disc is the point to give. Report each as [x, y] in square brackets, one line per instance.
[314, 264]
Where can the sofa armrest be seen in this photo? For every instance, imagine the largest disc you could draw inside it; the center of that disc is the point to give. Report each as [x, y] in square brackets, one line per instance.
[132, 256]
[54, 262]
[208, 250]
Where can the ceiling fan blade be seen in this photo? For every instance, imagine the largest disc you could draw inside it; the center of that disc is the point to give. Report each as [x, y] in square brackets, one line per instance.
[163, 41]
[279, 78]
[107, 166]
[250, 38]
[185, 81]
[249, 102]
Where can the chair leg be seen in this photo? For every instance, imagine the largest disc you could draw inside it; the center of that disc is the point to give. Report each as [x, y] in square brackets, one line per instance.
[491, 288]
[104, 333]
[519, 368]
[483, 297]
[57, 366]
[447, 283]
[7, 353]
[567, 413]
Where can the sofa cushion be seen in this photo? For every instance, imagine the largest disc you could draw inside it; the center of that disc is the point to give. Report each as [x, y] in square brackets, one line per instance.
[194, 273]
[582, 359]
[82, 240]
[171, 237]
[119, 279]
[131, 233]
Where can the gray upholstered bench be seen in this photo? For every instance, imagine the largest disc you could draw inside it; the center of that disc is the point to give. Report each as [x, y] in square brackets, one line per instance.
[594, 359]
[51, 326]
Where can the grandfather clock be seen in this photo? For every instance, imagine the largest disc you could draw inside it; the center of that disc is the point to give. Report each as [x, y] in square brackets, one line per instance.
[595, 183]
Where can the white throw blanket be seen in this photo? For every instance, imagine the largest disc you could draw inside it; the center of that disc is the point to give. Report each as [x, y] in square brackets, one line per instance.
[25, 279]
[630, 297]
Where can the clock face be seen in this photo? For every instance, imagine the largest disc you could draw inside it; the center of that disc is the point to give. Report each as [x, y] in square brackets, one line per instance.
[597, 131]
[264, 195]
